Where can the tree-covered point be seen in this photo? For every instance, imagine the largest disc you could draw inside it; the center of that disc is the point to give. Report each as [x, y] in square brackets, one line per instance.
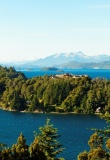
[47, 94]
[10, 73]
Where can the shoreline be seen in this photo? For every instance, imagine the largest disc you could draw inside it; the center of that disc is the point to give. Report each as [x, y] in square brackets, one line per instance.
[38, 112]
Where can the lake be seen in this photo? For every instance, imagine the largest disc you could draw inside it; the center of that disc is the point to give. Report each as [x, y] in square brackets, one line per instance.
[73, 128]
[93, 73]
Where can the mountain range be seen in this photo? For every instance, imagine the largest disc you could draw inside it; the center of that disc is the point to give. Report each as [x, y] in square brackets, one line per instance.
[67, 60]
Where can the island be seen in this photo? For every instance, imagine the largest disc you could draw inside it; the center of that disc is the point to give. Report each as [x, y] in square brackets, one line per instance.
[49, 69]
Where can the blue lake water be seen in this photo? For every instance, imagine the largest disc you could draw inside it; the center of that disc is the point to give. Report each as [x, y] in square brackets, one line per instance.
[73, 128]
[93, 73]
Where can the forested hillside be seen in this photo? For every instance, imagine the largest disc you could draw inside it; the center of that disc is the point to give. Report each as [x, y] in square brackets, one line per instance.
[47, 94]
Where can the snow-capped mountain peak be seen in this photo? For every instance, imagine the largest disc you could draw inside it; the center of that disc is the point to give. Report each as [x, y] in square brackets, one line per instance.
[70, 54]
[61, 58]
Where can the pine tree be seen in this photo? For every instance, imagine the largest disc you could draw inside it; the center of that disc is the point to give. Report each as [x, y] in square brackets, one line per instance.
[6, 154]
[47, 141]
[20, 149]
[36, 153]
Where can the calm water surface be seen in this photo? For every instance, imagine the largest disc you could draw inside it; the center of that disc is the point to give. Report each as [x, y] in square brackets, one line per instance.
[93, 73]
[73, 128]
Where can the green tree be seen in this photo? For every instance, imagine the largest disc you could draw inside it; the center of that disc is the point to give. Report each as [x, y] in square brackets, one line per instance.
[44, 147]
[36, 153]
[99, 144]
[33, 104]
[20, 149]
[47, 141]
[6, 154]
[83, 156]
[97, 151]
[18, 102]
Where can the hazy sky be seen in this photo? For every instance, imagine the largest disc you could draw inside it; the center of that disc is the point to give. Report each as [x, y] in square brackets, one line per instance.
[36, 28]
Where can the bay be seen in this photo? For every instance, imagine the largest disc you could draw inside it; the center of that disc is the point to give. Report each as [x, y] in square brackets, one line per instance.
[73, 128]
[93, 73]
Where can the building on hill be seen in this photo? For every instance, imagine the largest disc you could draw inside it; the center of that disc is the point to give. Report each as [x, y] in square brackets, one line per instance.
[68, 75]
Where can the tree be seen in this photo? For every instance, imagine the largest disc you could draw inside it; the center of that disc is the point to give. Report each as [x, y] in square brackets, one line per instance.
[83, 156]
[99, 144]
[18, 102]
[20, 149]
[36, 153]
[33, 104]
[47, 142]
[6, 154]
[97, 151]
[44, 147]
[95, 141]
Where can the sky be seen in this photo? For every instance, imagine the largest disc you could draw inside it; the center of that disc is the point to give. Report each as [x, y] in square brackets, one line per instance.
[33, 29]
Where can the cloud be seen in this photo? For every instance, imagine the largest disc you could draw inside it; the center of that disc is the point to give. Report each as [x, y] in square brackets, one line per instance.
[104, 6]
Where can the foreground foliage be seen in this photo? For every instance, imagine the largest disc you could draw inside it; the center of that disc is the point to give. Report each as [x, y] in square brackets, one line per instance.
[44, 147]
[47, 94]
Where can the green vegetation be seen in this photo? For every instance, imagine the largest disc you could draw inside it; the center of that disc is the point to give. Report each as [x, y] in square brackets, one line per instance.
[47, 94]
[44, 147]
[99, 144]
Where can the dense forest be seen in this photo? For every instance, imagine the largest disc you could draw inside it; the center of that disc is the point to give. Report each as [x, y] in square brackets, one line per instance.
[49, 94]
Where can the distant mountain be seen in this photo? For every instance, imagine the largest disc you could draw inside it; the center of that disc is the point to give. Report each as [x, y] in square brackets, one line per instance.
[75, 60]
[57, 59]
[60, 58]
[89, 65]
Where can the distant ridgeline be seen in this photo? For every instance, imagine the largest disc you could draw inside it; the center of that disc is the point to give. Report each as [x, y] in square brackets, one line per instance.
[79, 94]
